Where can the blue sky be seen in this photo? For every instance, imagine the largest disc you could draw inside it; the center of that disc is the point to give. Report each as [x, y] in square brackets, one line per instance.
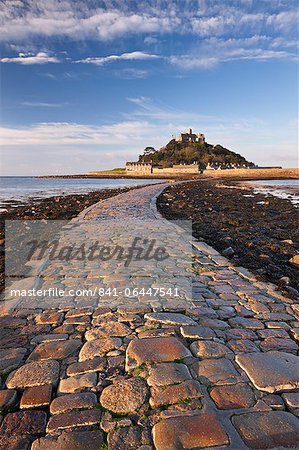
[86, 85]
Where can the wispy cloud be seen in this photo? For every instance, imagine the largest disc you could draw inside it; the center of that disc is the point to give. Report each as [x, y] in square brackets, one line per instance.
[131, 73]
[28, 59]
[132, 56]
[43, 105]
[107, 20]
[210, 52]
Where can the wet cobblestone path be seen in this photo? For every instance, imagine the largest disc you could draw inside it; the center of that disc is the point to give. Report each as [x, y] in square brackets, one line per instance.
[216, 369]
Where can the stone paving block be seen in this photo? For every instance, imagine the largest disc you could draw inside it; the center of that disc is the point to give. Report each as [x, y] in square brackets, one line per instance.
[111, 329]
[77, 312]
[34, 374]
[55, 350]
[242, 346]
[209, 349]
[8, 399]
[74, 419]
[197, 332]
[170, 319]
[96, 364]
[234, 396]
[272, 371]
[11, 359]
[169, 395]
[66, 403]
[49, 318]
[77, 383]
[168, 373]
[71, 440]
[126, 438]
[273, 343]
[270, 430]
[242, 322]
[23, 423]
[274, 401]
[272, 333]
[36, 396]
[214, 324]
[98, 347]
[125, 395]
[189, 432]
[49, 338]
[291, 400]
[166, 349]
[216, 372]
[240, 333]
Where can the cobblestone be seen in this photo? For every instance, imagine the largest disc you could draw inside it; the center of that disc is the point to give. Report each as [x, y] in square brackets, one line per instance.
[217, 368]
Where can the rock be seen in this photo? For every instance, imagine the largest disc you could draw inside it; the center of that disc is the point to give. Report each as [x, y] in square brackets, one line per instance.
[272, 371]
[240, 333]
[165, 349]
[209, 349]
[235, 396]
[294, 261]
[77, 383]
[78, 320]
[273, 429]
[273, 343]
[275, 333]
[170, 395]
[229, 251]
[84, 311]
[22, 423]
[96, 364]
[98, 347]
[291, 400]
[8, 399]
[197, 332]
[216, 371]
[36, 396]
[74, 419]
[241, 346]
[66, 403]
[125, 438]
[71, 440]
[170, 319]
[49, 338]
[34, 374]
[168, 373]
[274, 401]
[189, 432]
[125, 395]
[243, 322]
[111, 329]
[11, 359]
[49, 318]
[57, 350]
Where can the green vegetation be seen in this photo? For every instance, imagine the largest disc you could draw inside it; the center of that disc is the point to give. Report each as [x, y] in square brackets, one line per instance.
[187, 153]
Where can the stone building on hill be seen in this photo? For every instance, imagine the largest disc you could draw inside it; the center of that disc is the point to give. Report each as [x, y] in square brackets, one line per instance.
[190, 137]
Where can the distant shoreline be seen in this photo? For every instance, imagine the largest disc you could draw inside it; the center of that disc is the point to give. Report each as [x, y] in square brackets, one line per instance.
[249, 174]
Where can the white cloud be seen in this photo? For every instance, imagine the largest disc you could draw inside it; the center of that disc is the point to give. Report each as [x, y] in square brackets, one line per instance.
[28, 59]
[211, 52]
[43, 105]
[111, 19]
[132, 56]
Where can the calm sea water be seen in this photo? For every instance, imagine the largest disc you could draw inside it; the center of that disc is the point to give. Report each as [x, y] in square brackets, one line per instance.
[22, 189]
[285, 189]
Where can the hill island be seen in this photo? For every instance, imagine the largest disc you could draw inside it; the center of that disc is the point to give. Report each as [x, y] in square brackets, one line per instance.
[188, 153]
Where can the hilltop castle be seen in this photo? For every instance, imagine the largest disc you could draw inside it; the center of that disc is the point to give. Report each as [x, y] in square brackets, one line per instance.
[191, 137]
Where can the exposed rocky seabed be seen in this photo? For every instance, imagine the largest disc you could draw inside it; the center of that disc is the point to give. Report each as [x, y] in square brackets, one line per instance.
[257, 231]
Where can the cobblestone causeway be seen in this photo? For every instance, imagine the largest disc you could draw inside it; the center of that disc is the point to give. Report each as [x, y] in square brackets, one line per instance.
[215, 369]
